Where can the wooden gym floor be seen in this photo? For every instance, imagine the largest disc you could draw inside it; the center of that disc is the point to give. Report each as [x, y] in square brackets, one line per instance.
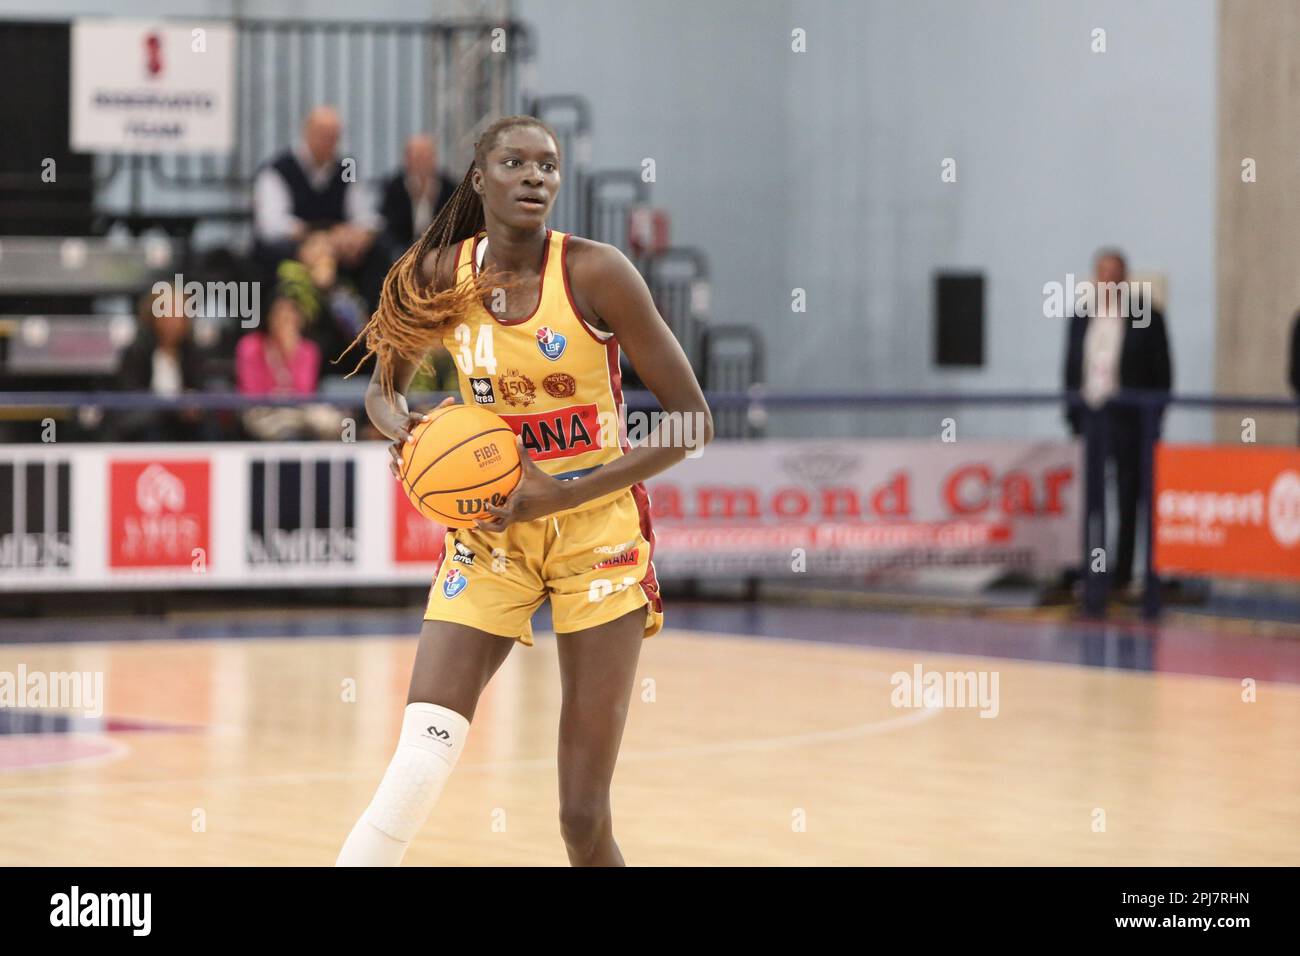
[221, 747]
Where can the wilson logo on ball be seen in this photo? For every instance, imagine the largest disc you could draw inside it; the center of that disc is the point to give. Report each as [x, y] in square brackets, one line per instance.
[468, 507]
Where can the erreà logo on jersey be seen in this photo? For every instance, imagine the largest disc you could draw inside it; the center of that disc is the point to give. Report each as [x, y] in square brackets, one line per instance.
[550, 342]
[561, 433]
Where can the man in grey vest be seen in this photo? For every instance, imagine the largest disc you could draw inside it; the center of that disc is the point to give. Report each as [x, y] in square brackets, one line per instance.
[305, 189]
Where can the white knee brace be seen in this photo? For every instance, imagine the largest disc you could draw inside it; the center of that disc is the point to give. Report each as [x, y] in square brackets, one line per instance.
[430, 745]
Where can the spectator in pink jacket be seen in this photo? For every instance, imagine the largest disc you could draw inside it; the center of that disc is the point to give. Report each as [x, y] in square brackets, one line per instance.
[281, 361]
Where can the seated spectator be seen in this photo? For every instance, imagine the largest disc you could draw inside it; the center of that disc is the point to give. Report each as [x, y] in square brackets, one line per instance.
[413, 195]
[306, 188]
[333, 310]
[281, 361]
[165, 361]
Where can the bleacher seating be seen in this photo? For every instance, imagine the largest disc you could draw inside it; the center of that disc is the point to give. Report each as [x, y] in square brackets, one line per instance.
[70, 300]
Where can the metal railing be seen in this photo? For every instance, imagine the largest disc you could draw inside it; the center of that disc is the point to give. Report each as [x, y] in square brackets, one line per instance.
[731, 360]
[608, 196]
[679, 282]
[32, 265]
[570, 116]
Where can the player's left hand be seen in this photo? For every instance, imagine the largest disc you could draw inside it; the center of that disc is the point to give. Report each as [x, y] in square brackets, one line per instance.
[536, 496]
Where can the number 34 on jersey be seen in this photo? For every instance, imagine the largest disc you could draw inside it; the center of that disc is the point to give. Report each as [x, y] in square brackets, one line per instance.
[480, 355]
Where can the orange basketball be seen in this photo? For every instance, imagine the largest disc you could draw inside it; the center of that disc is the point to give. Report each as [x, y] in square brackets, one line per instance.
[463, 458]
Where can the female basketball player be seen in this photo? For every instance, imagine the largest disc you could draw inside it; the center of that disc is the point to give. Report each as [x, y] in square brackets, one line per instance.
[545, 356]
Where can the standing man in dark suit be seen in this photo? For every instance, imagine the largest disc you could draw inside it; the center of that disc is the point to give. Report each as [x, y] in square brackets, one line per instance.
[414, 195]
[1119, 344]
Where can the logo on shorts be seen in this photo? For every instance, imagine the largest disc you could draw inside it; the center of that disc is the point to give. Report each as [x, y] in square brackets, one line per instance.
[560, 385]
[517, 388]
[550, 343]
[627, 557]
[463, 554]
[455, 583]
[613, 548]
[482, 389]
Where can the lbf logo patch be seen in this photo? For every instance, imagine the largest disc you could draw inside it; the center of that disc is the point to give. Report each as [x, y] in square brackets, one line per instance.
[455, 583]
[550, 342]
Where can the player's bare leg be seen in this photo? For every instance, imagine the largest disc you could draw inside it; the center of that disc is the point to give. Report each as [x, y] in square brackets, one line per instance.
[452, 666]
[597, 671]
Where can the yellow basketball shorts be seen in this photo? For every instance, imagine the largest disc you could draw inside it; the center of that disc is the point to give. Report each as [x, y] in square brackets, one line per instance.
[595, 566]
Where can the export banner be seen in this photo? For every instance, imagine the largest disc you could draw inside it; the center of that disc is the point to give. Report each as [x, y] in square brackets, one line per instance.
[1226, 511]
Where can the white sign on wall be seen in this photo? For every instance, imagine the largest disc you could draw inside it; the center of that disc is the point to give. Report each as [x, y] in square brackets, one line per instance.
[141, 86]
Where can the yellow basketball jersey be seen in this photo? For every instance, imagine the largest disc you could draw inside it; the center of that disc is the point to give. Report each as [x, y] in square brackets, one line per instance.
[550, 375]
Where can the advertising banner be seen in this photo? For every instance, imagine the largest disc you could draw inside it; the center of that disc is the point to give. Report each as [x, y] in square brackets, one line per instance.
[1226, 511]
[868, 505]
[330, 514]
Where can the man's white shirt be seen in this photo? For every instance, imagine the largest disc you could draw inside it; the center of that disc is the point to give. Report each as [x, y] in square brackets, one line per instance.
[273, 216]
[1103, 341]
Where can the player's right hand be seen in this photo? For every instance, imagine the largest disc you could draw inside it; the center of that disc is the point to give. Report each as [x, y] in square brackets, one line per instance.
[399, 428]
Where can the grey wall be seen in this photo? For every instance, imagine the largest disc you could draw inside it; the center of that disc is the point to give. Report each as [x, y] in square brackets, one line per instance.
[821, 170]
